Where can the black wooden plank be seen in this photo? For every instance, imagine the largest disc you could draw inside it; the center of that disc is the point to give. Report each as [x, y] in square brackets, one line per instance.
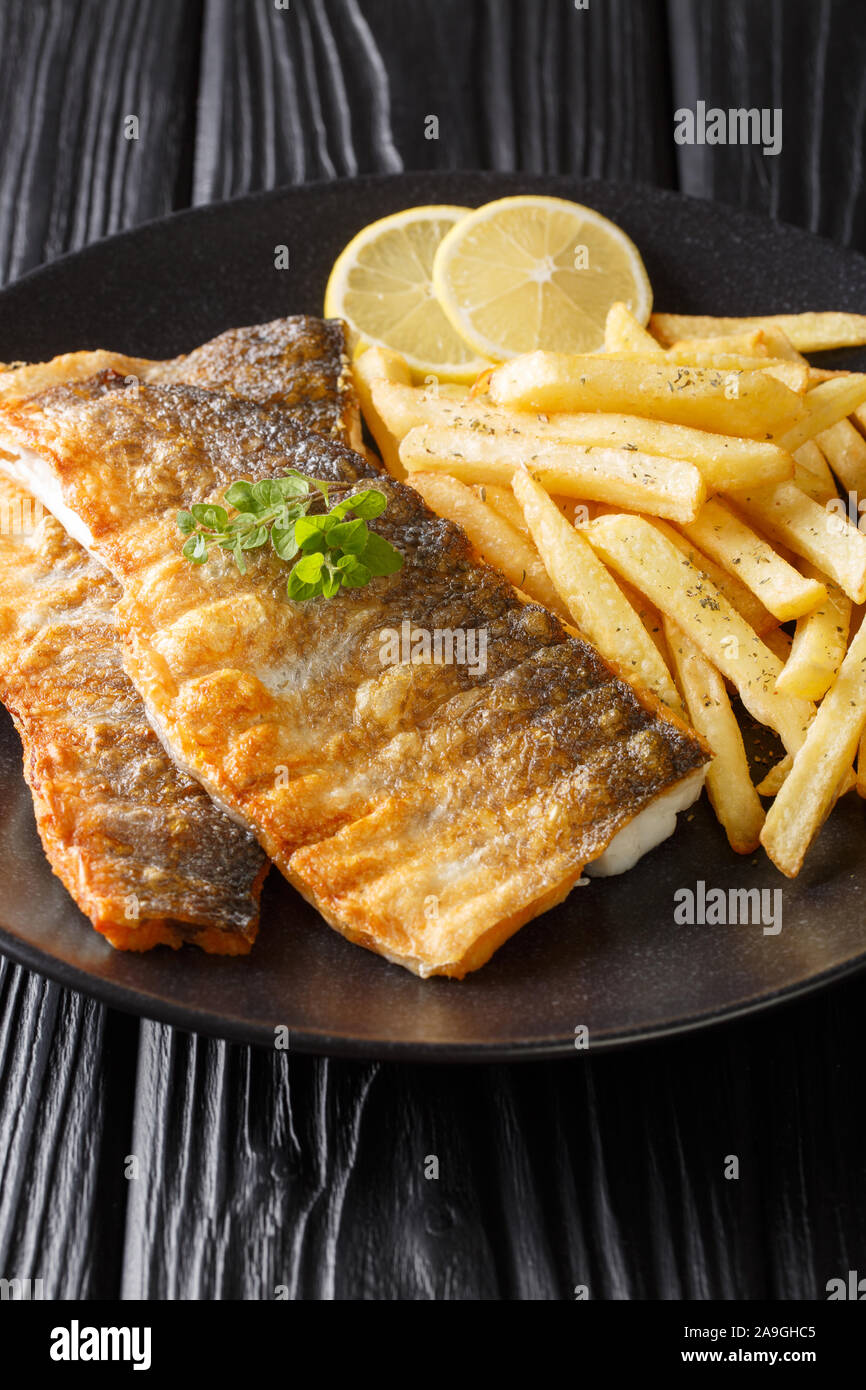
[257, 1170]
[69, 74]
[72, 74]
[338, 87]
[265, 1172]
[807, 58]
[65, 1112]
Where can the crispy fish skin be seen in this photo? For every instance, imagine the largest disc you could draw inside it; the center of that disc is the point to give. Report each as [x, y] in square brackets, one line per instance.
[299, 362]
[21, 380]
[138, 844]
[427, 810]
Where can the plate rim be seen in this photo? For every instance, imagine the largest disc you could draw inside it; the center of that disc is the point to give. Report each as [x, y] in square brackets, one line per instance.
[310, 1042]
[312, 186]
[139, 1002]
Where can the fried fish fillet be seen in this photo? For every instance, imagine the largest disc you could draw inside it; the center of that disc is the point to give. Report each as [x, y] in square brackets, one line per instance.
[300, 363]
[139, 845]
[427, 810]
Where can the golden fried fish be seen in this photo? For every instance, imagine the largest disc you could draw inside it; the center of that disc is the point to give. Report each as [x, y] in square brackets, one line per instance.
[139, 845]
[427, 809]
[300, 363]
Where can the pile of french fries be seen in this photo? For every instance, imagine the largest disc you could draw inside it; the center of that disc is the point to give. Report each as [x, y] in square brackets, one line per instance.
[675, 500]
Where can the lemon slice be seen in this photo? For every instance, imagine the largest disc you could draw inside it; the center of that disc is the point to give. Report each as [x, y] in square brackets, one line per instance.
[382, 285]
[530, 272]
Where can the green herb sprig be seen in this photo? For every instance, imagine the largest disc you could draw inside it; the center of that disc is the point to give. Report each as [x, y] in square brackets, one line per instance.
[331, 549]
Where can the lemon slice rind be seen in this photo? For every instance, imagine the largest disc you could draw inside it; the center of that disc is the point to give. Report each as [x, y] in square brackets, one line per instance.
[531, 272]
[381, 286]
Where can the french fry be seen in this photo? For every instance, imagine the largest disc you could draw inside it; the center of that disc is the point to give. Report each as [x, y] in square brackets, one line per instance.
[775, 779]
[381, 364]
[674, 498]
[819, 646]
[503, 501]
[766, 343]
[735, 403]
[739, 597]
[591, 595]
[845, 450]
[662, 487]
[826, 404]
[623, 333]
[820, 765]
[796, 376]
[638, 551]
[729, 783]
[495, 539]
[848, 783]
[778, 344]
[751, 344]
[723, 460]
[726, 538]
[378, 364]
[812, 474]
[826, 539]
[808, 332]
[405, 407]
[817, 375]
[649, 616]
[772, 784]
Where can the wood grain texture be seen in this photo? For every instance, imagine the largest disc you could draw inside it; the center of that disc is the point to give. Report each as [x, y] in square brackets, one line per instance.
[64, 1129]
[807, 59]
[69, 73]
[337, 87]
[72, 74]
[261, 1171]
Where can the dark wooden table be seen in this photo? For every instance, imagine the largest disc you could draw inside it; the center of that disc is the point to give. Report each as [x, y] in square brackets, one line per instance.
[258, 1170]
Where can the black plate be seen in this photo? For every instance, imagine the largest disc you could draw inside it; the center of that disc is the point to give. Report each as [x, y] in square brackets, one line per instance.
[612, 957]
